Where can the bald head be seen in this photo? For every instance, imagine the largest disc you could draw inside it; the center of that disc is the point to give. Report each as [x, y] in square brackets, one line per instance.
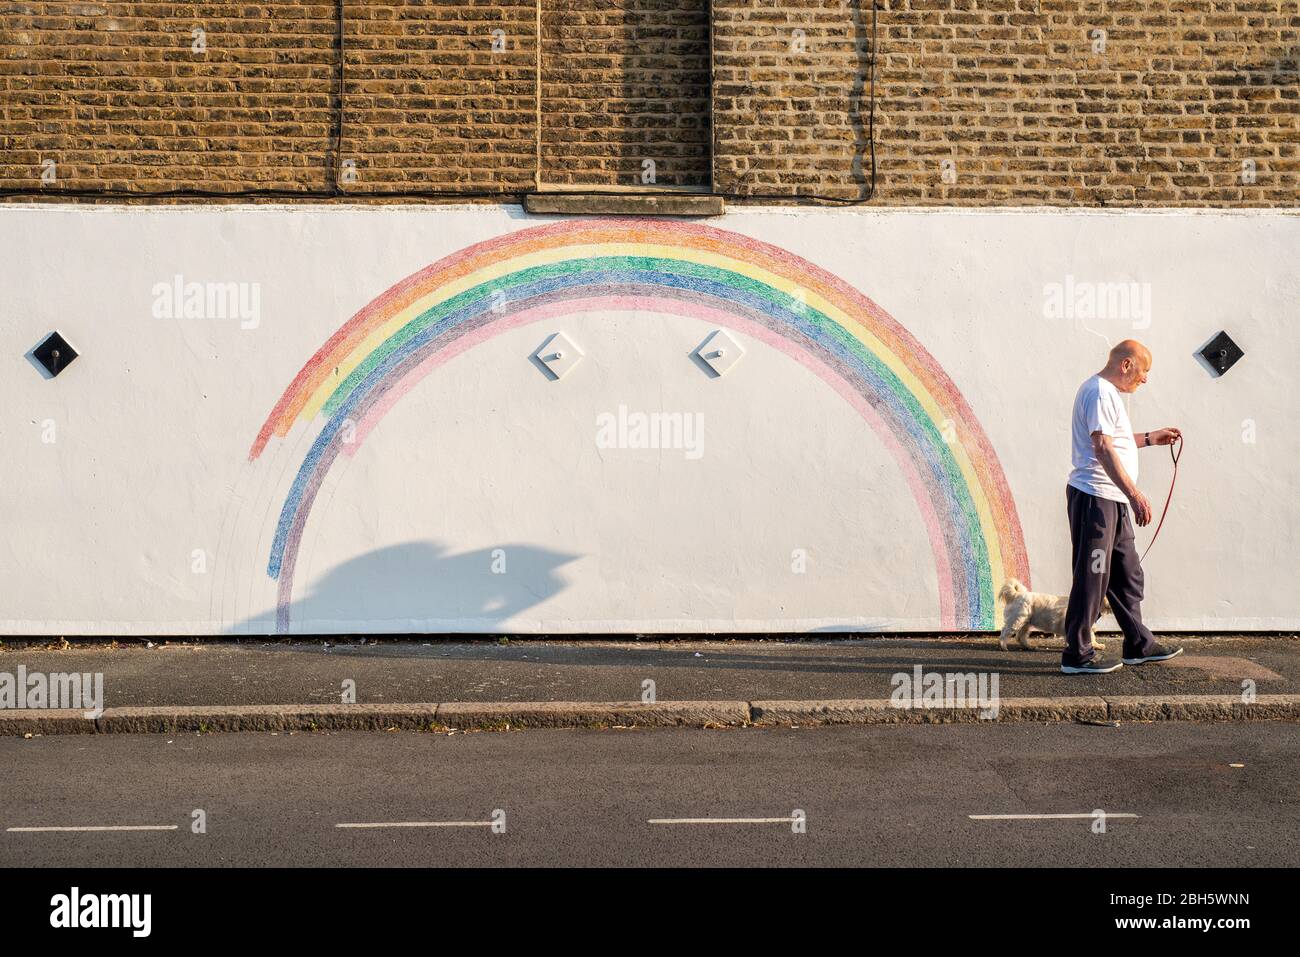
[1129, 349]
[1127, 365]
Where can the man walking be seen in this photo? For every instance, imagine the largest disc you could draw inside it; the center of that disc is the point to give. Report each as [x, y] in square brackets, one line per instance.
[1102, 488]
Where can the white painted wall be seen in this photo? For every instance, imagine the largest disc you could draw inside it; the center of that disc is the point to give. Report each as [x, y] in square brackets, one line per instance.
[151, 427]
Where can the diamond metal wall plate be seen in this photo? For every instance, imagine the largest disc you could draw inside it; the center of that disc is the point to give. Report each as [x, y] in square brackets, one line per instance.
[720, 351]
[54, 354]
[1222, 353]
[557, 356]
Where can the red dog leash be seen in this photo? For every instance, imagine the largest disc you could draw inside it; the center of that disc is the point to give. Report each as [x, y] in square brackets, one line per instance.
[1178, 445]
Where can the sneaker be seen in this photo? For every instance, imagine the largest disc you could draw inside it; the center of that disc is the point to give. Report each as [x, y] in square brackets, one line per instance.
[1158, 653]
[1094, 667]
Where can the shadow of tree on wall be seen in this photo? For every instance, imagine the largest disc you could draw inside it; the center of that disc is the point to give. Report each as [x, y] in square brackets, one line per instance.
[863, 81]
[398, 587]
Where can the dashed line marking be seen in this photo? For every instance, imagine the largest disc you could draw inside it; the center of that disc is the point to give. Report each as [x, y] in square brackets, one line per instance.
[379, 824]
[722, 820]
[1046, 817]
[97, 827]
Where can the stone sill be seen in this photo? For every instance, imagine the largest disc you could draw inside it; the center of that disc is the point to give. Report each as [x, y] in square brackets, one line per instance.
[620, 204]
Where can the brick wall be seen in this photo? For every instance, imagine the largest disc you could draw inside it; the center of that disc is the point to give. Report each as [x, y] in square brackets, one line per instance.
[625, 84]
[115, 94]
[441, 95]
[1028, 106]
[125, 94]
[1126, 102]
[976, 103]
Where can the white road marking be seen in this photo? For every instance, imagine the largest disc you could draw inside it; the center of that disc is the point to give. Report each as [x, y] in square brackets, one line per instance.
[1045, 817]
[419, 824]
[722, 820]
[102, 827]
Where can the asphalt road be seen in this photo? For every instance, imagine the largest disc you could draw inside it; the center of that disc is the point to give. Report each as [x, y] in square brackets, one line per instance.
[898, 796]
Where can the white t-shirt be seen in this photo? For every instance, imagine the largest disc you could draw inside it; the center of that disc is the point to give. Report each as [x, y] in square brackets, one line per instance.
[1098, 407]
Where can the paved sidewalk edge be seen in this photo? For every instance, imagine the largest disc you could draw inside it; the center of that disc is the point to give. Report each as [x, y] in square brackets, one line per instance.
[501, 716]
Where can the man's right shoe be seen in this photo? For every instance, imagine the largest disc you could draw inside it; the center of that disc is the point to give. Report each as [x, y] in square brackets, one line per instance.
[1093, 667]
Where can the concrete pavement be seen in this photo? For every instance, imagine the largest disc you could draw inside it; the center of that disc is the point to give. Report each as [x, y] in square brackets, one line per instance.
[421, 683]
[258, 671]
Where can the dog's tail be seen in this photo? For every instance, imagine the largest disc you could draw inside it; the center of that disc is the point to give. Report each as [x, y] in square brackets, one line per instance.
[1011, 590]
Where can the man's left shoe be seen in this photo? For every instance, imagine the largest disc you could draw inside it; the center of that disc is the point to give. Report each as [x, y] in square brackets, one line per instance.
[1158, 653]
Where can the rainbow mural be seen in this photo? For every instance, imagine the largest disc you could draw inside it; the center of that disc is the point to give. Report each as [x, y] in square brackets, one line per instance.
[720, 277]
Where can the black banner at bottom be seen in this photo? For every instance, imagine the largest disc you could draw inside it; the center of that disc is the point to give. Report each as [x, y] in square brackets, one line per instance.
[360, 906]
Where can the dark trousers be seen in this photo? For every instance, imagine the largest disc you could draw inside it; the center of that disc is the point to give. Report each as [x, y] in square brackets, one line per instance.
[1105, 560]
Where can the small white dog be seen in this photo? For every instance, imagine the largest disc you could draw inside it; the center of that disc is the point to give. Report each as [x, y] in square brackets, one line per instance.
[1030, 609]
